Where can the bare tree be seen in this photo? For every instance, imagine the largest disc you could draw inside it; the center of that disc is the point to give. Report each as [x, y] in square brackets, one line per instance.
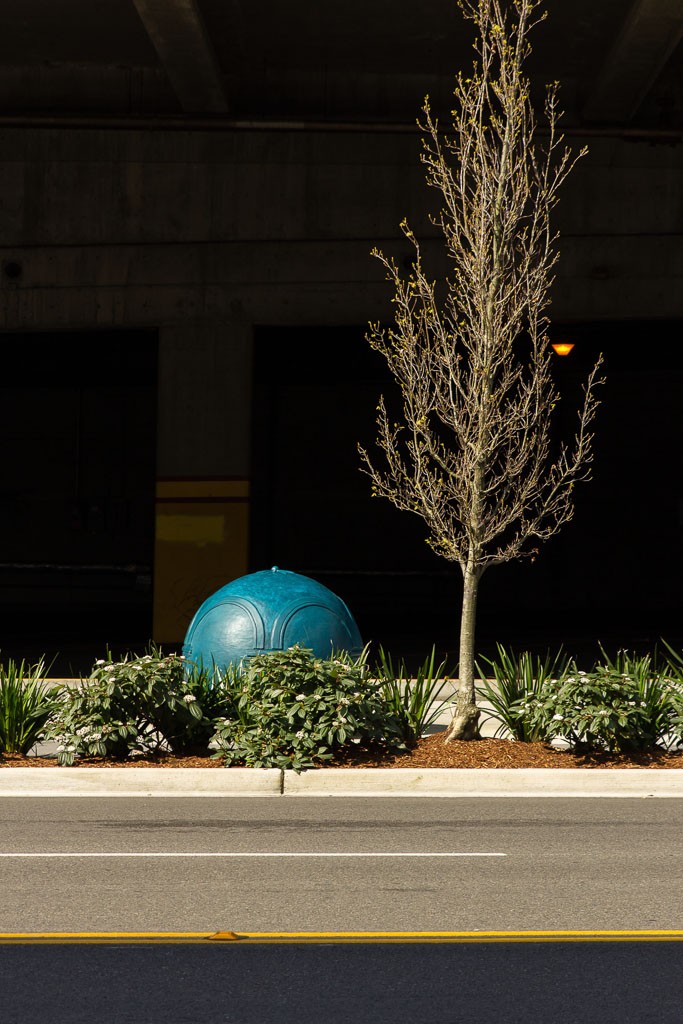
[472, 455]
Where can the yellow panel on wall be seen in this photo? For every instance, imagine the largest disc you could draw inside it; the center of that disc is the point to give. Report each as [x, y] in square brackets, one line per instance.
[223, 487]
[190, 528]
[202, 535]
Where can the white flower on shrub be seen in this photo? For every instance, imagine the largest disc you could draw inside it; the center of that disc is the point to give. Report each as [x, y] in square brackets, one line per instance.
[300, 734]
[100, 661]
[189, 698]
[300, 696]
[558, 718]
[108, 668]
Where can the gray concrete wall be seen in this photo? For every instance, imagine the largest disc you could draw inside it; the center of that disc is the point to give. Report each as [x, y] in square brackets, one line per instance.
[205, 234]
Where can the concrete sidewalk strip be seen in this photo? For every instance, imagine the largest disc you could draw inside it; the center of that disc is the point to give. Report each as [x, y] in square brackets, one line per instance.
[342, 782]
[152, 782]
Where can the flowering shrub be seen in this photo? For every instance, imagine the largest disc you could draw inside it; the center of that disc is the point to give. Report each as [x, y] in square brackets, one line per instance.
[139, 705]
[619, 706]
[294, 709]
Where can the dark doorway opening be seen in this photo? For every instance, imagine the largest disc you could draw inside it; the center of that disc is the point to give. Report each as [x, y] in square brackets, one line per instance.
[77, 510]
[612, 575]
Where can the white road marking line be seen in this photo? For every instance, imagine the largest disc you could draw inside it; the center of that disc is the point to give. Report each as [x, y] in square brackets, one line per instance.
[201, 854]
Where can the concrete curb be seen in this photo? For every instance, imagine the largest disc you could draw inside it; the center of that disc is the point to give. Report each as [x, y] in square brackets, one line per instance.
[150, 782]
[342, 782]
[487, 782]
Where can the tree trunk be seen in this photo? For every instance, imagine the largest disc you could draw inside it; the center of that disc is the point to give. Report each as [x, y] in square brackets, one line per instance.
[465, 722]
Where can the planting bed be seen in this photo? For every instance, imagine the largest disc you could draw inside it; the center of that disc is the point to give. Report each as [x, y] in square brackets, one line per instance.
[430, 752]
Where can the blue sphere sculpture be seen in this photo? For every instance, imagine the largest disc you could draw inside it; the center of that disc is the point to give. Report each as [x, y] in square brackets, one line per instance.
[269, 611]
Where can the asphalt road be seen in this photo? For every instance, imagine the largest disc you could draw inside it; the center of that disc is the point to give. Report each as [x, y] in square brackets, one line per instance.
[571, 983]
[566, 864]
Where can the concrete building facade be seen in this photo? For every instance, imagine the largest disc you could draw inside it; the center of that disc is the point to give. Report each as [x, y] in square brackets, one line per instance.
[185, 280]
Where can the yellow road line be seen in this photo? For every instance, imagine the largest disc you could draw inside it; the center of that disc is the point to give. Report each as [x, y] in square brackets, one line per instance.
[107, 937]
[228, 937]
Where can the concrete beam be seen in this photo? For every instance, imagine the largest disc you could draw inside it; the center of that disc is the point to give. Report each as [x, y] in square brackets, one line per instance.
[179, 36]
[650, 34]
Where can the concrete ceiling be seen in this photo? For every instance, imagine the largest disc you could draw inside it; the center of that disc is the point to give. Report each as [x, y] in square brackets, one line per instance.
[620, 62]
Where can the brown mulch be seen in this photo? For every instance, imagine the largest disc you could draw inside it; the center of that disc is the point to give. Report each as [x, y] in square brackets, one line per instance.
[162, 761]
[430, 752]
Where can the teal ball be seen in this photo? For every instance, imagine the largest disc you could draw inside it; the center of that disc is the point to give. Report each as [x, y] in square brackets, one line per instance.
[269, 611]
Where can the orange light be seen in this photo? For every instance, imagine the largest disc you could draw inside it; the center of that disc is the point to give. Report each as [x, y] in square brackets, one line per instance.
[562, 348]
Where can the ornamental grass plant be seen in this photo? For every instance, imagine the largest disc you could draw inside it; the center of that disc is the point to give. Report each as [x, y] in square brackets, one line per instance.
[26, 704]
[414, 700]
[517, 679]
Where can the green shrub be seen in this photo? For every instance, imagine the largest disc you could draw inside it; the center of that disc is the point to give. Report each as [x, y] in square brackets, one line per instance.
[517, 679]
[139, 705]
[413, 700]
[293, 710]
[673, 667]
[26, 703]
[621, 706]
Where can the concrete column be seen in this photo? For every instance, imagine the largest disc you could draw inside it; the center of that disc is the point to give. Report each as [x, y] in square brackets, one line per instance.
[202, 497]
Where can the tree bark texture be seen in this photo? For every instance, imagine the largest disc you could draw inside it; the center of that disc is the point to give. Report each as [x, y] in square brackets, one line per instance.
[465, 722]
